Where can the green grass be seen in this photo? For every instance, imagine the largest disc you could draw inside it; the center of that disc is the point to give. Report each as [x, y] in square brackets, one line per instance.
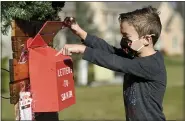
[106, 102]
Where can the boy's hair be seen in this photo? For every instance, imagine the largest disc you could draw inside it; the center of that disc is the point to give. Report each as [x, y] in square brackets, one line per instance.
[146, 21]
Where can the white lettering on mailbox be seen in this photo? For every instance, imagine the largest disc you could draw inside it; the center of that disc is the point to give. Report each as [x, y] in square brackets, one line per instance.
[66, 83]
[66, 95]
[64, 71]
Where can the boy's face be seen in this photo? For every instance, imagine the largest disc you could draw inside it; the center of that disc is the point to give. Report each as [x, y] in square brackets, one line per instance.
[128, 31]
[130, 34]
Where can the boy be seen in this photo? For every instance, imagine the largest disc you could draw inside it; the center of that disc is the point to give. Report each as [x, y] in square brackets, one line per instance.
[145, 74]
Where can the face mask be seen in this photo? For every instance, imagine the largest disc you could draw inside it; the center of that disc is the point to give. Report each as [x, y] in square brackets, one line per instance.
[136, 45]
[131, 48]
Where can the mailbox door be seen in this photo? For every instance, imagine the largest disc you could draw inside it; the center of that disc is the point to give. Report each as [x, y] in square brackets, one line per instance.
[65, 83]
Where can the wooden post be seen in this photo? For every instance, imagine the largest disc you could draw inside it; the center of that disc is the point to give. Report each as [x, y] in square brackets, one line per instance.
[19, 73]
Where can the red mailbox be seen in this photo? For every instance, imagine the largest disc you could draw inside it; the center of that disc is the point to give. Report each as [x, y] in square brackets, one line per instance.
[51, 77]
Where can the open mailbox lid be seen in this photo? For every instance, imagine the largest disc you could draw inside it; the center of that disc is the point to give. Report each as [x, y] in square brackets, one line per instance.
[51, 77]
[47, 33]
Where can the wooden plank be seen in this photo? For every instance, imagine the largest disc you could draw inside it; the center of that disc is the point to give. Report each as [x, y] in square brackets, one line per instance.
[16, 87]
[14, 92]
[16, 30]
[18, 71]
[19, 79]
[11, 70]
[26, 28]
[17, 43]
[16, 55]
[21, 71]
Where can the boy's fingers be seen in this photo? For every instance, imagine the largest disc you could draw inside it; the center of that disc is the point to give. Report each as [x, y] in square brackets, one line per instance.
[66, 51]
[69, 51]
[57, 54]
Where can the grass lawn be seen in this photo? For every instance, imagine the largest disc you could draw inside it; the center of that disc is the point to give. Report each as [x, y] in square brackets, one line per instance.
[106, 102]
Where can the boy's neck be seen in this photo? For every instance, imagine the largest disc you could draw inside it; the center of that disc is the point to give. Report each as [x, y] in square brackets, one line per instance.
[147, 52]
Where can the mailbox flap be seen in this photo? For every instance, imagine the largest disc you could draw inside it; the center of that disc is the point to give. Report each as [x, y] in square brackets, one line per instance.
[50, 29]
[47, 33]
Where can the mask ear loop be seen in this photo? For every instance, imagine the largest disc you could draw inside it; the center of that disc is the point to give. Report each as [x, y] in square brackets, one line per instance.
[152, 35]
[140, 48]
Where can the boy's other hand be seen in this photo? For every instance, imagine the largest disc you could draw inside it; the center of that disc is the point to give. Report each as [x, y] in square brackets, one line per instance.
[76, 29]
[68, 49]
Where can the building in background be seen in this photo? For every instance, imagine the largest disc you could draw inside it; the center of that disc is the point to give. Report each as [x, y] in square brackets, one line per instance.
[171, 40]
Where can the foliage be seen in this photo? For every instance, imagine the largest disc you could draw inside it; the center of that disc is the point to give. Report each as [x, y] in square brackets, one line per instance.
[29, 10]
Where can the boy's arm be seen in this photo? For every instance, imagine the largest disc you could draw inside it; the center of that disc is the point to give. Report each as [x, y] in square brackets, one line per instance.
[142, 67]
[95, 42]
[116, 63]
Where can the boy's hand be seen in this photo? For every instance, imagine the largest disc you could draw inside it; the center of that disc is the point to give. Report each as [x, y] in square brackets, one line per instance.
[68, 49]
[76, 29]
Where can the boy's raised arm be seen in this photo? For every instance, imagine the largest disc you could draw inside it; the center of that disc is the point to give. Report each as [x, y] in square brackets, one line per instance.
[94, 41]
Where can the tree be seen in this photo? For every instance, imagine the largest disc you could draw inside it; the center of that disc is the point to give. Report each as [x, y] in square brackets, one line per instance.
[29, 10]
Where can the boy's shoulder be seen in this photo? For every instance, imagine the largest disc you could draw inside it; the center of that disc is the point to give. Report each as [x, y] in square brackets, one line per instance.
[153, 64]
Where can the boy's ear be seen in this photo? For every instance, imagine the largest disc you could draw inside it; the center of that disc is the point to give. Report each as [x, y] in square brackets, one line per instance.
[147, 40]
